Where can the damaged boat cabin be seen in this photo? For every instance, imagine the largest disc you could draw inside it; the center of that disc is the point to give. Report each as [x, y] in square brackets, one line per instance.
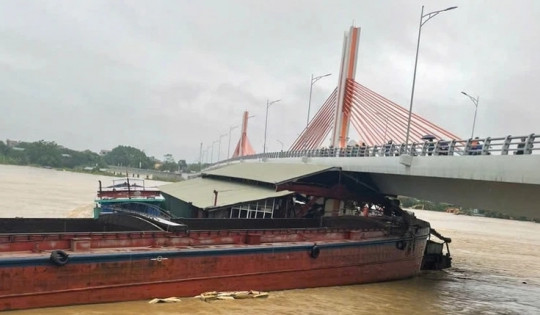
[272, 190]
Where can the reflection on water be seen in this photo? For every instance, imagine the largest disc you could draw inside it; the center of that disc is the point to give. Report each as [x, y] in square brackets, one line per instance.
[496, 264]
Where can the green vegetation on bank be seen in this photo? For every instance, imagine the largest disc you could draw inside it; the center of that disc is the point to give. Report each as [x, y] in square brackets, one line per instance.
[50, 154]
[47, 154]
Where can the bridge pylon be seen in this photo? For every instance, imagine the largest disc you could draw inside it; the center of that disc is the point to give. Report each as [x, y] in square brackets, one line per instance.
[375, 119]
[340, 133]
[244, 146]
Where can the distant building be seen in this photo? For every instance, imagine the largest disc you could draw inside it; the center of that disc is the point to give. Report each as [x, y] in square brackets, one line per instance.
[12, 143]
[104, 152]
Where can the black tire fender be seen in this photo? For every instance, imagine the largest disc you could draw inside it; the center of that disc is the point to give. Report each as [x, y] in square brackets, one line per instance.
[59, 257]
[315, 251]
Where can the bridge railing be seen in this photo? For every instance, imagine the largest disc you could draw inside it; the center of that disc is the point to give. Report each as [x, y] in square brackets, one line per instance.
[509, 145]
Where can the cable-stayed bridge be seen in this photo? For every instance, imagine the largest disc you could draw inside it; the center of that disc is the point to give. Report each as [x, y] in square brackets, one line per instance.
[497, 173]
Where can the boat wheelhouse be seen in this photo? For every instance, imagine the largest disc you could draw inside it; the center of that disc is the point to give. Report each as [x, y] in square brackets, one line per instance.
[129, 195]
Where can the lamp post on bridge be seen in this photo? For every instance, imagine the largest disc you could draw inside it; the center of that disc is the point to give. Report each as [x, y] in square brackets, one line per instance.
[200, 157]
[212, 153]
[475, 102]
[313, 80]
[268, 103]
[206, 155]
[281, 145]
[229, 146]
[428, 16]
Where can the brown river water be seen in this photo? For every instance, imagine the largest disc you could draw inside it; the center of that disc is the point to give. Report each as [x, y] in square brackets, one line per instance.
[496, 266]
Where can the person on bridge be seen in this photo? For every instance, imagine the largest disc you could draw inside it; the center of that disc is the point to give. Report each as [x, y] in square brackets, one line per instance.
[476, 147]
[363, 149]
[354, 151]
[521, 146]
[331, 151]
[430, 146]
[388, 148]
[442, 147]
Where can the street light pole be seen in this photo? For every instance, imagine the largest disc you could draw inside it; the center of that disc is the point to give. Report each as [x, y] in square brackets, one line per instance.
[212, 154]
[281, 145]
[475, 102]
[200, 157]
[422, 22]
[219, 146]
[206, 154]
[268, 103]
[313, 80]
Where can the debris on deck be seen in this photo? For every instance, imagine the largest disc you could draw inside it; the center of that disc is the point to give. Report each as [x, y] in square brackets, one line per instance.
[214, 295]
[166, 300]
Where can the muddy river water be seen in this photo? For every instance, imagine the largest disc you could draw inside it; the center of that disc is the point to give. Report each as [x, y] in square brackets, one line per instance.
[496, 265]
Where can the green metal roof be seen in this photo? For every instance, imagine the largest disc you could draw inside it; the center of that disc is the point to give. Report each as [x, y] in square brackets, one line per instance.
[273, 173]
[200, 192]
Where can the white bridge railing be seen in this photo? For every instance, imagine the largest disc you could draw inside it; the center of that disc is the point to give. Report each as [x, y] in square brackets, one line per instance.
[520, 145]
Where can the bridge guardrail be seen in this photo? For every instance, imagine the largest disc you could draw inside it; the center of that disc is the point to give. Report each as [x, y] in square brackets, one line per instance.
[517, 145]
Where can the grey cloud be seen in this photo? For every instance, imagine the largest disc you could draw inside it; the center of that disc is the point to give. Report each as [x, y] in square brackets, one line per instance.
[165, 76]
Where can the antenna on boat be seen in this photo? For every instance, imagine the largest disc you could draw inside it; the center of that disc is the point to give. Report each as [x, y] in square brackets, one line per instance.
[129, 190]
[127, 181]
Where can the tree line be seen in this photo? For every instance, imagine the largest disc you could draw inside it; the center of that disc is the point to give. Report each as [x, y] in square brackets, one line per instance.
[50, 154]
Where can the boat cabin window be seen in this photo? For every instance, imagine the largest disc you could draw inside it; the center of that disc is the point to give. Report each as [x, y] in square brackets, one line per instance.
[259, 210]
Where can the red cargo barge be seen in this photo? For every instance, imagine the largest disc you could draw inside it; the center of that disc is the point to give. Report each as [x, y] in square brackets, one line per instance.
[215, 255]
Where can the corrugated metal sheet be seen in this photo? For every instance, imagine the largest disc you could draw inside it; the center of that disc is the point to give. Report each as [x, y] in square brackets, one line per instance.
[273, 173]
[200, 192]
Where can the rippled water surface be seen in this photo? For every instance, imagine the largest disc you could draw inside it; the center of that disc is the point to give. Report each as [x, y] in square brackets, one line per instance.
[496, 266]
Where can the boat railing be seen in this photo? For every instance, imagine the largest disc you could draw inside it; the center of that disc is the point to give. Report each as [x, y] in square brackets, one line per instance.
[131, 183]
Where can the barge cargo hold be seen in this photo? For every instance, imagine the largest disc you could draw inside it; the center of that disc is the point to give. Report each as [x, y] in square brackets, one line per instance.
[74, 266]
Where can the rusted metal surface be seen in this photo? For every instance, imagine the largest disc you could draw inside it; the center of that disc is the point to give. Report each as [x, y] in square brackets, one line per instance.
[128, 194]
[129, 265]
[135, 240]
[117, 274]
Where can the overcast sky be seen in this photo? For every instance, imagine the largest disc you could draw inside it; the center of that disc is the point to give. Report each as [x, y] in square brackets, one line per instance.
[164, 76]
